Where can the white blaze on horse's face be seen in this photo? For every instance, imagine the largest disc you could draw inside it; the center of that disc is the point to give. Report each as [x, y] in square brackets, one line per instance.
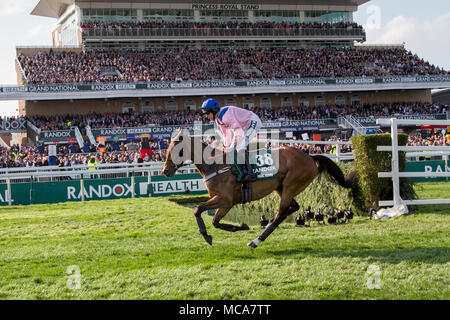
[178, 153]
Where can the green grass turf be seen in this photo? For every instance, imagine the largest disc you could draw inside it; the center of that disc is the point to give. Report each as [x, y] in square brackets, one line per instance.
[151, 249]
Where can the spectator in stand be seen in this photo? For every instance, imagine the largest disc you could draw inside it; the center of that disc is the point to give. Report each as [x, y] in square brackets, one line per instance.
[116, 120]
[220, 64]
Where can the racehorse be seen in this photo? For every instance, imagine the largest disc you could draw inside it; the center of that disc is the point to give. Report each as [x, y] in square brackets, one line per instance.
[296, 170]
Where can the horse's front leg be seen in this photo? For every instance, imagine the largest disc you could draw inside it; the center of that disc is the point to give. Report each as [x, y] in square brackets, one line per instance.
[212, 203]
[220, 213]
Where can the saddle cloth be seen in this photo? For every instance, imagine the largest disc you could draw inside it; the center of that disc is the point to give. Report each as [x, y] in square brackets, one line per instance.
[263, 164]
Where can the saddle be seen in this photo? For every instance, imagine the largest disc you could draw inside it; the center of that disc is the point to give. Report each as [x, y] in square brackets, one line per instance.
[263, 166]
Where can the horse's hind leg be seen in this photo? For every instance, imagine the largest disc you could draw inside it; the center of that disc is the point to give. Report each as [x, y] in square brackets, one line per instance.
[287, 206]
[220, 213]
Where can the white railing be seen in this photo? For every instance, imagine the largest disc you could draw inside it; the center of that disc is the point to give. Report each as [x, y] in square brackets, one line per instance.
[416, 155]
[396, 175]
[356, 125]
[21, 70]
[90, 135]
[79, 137]
[106, 171]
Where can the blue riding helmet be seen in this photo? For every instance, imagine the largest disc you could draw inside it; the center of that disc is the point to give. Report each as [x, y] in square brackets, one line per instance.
[210, 105]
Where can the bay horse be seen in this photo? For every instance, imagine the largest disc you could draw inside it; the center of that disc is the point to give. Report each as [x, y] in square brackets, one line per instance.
[296, 170]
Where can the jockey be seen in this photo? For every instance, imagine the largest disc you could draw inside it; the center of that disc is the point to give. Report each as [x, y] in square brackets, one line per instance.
[237, 128]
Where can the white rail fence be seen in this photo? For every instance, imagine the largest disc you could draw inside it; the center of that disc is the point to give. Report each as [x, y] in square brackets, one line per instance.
[104, 171]
[395, 175]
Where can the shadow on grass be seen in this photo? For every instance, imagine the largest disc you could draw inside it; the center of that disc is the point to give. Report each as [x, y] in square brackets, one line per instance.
[433, 209]
[440, 255]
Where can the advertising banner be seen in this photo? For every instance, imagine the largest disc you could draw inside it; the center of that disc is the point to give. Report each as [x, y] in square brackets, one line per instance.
[57, 137]
[18, 125]
[427, 166]
[100, 189]
[54, 88]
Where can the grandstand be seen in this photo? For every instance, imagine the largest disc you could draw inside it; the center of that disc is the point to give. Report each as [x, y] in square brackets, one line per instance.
[146, 56]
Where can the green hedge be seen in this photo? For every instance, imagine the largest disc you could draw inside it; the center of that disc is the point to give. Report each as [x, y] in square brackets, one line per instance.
[368, 162]
[323, 193]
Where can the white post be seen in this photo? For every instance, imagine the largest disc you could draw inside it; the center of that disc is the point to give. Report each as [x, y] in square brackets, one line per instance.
[447, 169]
[338, 153]
[132, 186]
[149, 183]
[82, 188]
[8, 185]
[395, 166]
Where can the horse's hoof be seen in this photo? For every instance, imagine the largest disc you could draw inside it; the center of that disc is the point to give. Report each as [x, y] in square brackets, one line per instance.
[252, 245]
[208, 239]
[244, 226]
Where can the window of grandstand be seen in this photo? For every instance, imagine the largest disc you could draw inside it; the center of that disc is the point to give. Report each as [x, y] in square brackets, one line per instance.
[168, 15]
[286, 102]
[266, 103]
[101, 14]
[340, 100]
[148, 106]
[223, 16]
[356, 100]
[303, 102]
[279, 16]
[128, 107]
[230, 102]
[327, 17]
[190, 105]
[248, 103]
[319, 101]
[171, 105]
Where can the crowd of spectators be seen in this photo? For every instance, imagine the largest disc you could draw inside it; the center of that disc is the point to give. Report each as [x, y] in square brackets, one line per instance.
[27, 157]
[435, 139]
[123, 120]
[220, 64]
[21, 156]
[119, 152]
[215, 25]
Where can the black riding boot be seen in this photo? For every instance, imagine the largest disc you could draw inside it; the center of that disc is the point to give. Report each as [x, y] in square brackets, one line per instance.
[250, 176]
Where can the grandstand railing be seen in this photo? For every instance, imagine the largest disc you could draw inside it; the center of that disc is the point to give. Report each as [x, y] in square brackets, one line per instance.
[79, 137]
[90, 135]
[24, 76]
[221, 32]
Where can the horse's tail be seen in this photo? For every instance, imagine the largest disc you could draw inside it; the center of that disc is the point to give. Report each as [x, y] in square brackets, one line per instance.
[332, 168]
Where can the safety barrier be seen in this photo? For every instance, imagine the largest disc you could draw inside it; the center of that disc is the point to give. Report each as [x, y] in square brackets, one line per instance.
[221, 32]
[396, 175]
[23, 186]
[103, 171]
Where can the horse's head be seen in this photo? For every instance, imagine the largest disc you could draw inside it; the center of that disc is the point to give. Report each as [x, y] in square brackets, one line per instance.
[177, 152]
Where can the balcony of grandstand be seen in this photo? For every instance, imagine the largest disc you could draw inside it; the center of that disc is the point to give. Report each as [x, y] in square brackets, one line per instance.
[231, 30]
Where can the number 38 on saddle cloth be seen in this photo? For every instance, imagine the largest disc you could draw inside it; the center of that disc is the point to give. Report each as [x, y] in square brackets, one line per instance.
[263, 164]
